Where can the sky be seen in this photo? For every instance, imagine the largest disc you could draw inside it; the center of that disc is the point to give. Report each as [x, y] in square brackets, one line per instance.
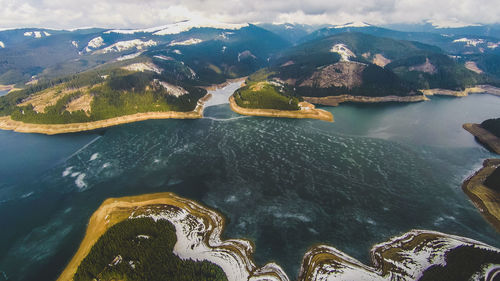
[66, 14]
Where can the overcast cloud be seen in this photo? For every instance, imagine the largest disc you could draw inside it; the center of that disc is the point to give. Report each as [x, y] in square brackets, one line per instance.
[147, 13]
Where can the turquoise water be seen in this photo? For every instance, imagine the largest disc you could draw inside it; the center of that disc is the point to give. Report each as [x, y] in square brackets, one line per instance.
[378, 171]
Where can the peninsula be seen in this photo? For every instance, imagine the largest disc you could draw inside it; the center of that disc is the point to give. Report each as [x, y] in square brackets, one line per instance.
[487, 133]
[483, 188]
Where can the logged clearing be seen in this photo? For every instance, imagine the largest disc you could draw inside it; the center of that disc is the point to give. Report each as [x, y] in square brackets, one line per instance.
[83, 102]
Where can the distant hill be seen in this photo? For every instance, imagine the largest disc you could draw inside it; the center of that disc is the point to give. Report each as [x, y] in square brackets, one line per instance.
[452, 43]
[367, 65]
[47, 54]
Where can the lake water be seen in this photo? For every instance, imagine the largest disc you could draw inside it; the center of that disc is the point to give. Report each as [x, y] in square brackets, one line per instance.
[3, 93]
[378, 171]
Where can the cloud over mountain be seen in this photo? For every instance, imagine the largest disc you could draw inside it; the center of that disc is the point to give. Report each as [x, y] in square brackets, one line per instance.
[146, 13]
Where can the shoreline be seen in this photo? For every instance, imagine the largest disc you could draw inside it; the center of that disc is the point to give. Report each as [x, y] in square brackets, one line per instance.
[486, 200]
[6, 123]
[307, 111]
[336, 100]
[483, 136]
[478, 89]
[199, 230]
[202, 240]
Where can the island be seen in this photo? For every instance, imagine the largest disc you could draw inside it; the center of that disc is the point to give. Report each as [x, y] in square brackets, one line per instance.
[125, 233]
[487, 133]
[483, 188]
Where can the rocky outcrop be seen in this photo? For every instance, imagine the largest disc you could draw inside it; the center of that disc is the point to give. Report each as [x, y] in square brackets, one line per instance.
[483, 136]
[307, 110]
[336, 100]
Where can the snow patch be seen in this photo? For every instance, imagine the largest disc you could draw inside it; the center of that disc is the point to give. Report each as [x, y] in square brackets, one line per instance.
[67, 171]
[245, 54]
[469, 42]
[94, 44]
[343, 51]
[352, 24]
[183, 26]
[179, 27]
[94, 156]
[74, 43]
[143, 67]
[127, 45]
[2, 45]
[162, 57]
[172, 89]
[177, 52]
[79, 181]
[191, 41]
[492, 45]
[129, 57]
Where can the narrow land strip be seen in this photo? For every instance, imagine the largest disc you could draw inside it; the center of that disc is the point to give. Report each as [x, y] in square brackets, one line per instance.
[307, 111]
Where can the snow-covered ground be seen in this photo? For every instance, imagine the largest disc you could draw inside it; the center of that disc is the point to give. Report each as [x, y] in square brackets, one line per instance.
[36, 34]
[412, 261]
[352, 24]
[343, 51]
[198, 238]
[469, 42]
[191, 41]
[128, 57]
[127, 45]
[179, 27]
[172, 89]
[143, 67]
[162, 57]
[95, 43]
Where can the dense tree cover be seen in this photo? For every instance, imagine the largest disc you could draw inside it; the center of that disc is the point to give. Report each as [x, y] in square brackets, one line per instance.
[123, 93]
[266, 96]
[492, 125]
[461, 264]
[493, 181]
[141, 249]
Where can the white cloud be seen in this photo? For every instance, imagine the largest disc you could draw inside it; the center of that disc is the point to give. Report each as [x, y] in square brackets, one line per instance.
[148, 13]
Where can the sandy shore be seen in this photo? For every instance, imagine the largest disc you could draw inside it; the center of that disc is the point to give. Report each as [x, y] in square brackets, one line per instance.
[486, 200]
[307, 111]
[6, 123]
[198, 231]
[486, 138]
[336, 100]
